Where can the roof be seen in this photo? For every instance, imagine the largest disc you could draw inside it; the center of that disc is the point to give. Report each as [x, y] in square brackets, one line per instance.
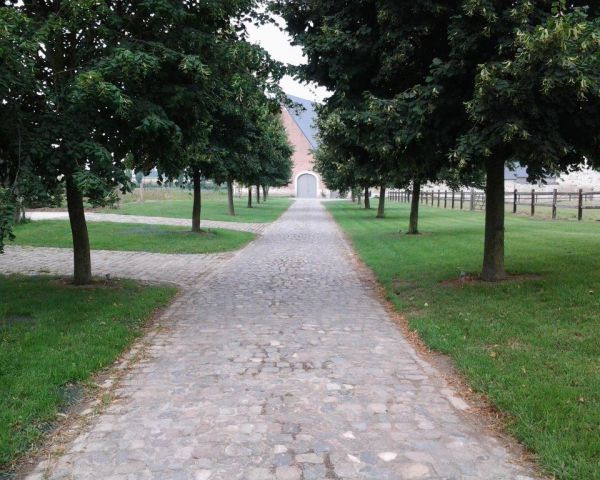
[519, 174]
[305, 118]
[515, 173]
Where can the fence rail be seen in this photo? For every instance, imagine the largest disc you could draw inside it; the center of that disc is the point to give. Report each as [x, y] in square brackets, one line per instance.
[475, 200]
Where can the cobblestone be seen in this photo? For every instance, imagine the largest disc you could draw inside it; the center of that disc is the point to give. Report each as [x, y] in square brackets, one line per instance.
[257, 228]
[185, 270]
[285, 365]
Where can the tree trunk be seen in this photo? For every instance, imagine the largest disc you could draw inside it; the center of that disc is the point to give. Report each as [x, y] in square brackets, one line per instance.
[381, 206]
[19, 212]
[265, 192]
[367, 199]
[197, 202]
[230, 203]
[257, 194]
[249, 196]
[413, 226]
[493, 252]
[82, 262]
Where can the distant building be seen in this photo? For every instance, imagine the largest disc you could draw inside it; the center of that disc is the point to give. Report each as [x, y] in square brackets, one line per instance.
[517, 176]
[299, 125]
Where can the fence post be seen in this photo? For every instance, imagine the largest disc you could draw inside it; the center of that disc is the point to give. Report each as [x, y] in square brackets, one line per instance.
[462, 199]
[554, 198]
[532, 202]
[445, 198]
[472, 200]
[452, 199]
[580, 206]
[438, 203]
[515, 201]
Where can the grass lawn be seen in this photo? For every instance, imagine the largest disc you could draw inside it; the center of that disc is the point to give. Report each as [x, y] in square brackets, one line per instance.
[533, 346]
[52, 338]
[214, 207]
[132, 237]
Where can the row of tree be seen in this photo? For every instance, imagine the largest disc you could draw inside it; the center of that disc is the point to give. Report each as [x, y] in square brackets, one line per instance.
[90, 89]
[454, 91]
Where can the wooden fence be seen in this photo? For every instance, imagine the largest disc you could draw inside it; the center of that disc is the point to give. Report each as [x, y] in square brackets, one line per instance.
[516, 200]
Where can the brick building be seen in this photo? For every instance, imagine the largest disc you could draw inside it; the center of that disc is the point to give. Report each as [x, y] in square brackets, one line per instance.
[299, 125]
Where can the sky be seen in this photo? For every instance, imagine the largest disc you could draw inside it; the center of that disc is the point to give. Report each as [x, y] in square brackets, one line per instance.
[279, 45]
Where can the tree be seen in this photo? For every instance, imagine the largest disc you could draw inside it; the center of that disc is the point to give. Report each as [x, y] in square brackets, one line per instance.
[199, 49]
[520, 68]
[70, 123]
[342, 158]
[372, 49]
[528, 75]
[274, 151]
[246, 136]
[99, 108]
[17, 85]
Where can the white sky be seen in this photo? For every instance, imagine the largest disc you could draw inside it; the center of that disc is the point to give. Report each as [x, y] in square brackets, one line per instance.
[278, 44]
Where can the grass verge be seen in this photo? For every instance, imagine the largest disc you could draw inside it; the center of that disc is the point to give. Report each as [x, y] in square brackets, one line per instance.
[132, 237]
[53, 337]
[214, 207]
[531, 345]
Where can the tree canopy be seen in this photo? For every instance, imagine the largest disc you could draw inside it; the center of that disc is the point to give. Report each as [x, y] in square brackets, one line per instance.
[455, 90]
[97, 88]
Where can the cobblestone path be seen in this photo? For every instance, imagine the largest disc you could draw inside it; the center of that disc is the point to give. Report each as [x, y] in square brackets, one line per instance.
[284, 366]
[257, 228]
[180, 269]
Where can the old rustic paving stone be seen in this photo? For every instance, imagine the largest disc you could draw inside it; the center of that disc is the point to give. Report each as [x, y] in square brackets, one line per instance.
[179, 269]
[257, 228]
[283, 364]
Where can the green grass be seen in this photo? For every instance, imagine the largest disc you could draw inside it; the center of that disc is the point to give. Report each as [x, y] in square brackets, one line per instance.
[53, 337]
[214, 207]
[533, 346]
[132, 237]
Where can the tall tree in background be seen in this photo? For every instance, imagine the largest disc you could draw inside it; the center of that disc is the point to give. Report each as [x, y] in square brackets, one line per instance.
[246, 122]
[198, 46]
[372, 49]
[343, 151]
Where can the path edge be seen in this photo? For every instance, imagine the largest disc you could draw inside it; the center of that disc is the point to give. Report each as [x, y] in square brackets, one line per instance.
[481, 412]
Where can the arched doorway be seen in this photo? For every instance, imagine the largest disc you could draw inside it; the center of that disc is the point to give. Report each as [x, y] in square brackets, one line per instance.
[306, 186]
